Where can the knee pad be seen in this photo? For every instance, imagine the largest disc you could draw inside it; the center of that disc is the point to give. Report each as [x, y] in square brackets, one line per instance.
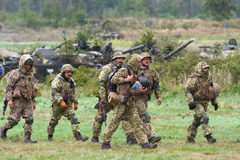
[12, 122]
[205, 119]
[147, 118]
[53, 123]
[29, 120]
[74, 119]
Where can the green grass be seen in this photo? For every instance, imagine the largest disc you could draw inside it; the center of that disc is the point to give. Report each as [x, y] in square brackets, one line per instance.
[170, 120]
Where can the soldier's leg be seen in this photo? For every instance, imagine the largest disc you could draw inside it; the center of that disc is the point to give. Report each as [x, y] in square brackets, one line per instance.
[128, 131]
[118, 113]
[99, 119]
[13, 119]
[136, 122]
[192, 129]
[57, 113]
[204, 121]
[69, 113]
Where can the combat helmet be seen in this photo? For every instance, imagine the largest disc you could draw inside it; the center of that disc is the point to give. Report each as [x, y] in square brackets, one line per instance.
[67, 68]
[118, 55]
[214, 90]
[146, 55]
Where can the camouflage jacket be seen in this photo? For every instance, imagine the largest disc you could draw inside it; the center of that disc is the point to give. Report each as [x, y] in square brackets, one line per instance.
[197, 87]
[103, 87]
[153, 77]
[24, 82]
[61, 88]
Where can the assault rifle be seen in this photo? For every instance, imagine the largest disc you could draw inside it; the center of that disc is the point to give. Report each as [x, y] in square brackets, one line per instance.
[104, 109]
[4, 107]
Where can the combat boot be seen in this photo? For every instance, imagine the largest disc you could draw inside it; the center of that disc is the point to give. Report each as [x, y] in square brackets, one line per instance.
[190, 140]
[79, 137]
[131, 139]
[106, 146]
[27, 138]
[149, 146]
[95, 140]
[3, 133]
[210, 139]
[154, 139]
[50, 137]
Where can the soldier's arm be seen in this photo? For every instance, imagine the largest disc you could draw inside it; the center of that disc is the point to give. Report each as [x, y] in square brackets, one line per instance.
[10, 84]
[75, 99]
[102, 86]
[190, 88]
[156, 85]
[120, 76]
[56, 88]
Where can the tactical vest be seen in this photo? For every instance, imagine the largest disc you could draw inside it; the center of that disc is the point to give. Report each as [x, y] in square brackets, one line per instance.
[67, 89]
[204, 91]
[25, 84]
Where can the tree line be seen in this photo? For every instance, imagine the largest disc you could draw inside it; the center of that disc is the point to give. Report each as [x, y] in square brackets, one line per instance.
[66, 13]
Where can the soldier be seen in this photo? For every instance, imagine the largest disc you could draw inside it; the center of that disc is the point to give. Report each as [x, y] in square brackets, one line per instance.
[199, 91]
[127, 87]
[1, 71]
[21, 95]
[107, 53]
[63, 97]
[149, 79]
[103, 86]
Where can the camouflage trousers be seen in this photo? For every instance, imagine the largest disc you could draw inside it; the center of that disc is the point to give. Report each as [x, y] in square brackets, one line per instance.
[130, 112]
[200, 118]
[99, 120]
[57, 113]
[142, 107]
[21, 108]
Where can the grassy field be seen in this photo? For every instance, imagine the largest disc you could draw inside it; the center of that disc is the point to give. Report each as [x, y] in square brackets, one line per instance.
[170, 120]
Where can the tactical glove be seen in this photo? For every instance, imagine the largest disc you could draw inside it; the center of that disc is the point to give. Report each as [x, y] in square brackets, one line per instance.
[216, 106]
[192, 106]
[75, 106]
[63, 104]
[65, 99]
[102, 104]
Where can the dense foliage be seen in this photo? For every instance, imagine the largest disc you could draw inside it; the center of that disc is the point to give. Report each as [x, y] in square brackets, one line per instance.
[65, 13]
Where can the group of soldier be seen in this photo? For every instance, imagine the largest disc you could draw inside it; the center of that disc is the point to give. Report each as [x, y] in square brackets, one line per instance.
[124, 89]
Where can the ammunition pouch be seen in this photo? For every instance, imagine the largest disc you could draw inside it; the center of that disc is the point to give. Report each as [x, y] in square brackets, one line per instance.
[113, 98]
[17, 93]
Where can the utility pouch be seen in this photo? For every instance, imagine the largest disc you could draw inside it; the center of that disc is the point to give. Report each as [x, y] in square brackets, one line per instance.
[113, 98]
[16, 93]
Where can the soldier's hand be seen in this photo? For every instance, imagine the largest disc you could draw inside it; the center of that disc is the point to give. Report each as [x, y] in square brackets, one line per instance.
[128, 79]
[75, 106]
[102, 104]
[216, 107]
[192, 106]
[34, 106]
[159, 101]
[144, 90]
[10, 103]
[63, 104]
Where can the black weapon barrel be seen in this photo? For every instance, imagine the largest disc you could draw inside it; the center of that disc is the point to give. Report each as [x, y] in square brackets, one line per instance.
[179, 48]
[134, 48]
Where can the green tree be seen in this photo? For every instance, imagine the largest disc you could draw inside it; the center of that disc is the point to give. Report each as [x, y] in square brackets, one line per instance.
[57, 14]
[219, 9]
[47, 11]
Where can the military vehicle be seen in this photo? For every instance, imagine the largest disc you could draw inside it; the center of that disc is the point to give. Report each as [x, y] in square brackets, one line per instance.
[47, 61]
[155, 51]
[108, 30]
[217, 50]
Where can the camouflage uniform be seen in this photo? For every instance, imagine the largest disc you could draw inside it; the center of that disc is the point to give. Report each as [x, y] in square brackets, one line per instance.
[103, 92]
[127, 106]
[142, 99]
[1, 71]
[198, 96]
[21, 91]
[63, 87]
